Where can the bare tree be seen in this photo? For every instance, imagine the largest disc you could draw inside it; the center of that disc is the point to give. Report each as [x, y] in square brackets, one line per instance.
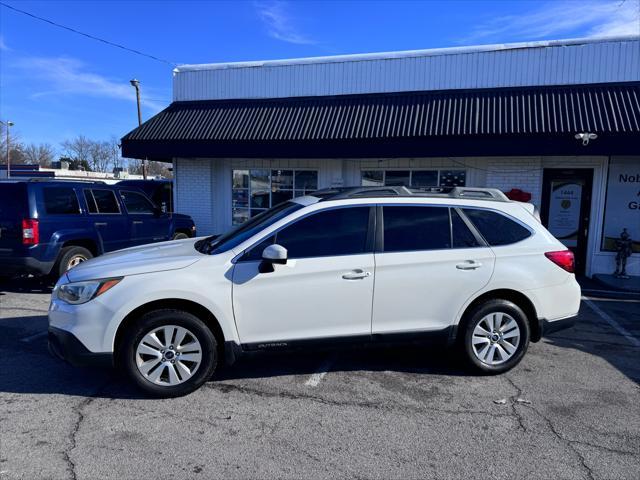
[42, 154]
[159, 169]
[100, 156]
[79, 149]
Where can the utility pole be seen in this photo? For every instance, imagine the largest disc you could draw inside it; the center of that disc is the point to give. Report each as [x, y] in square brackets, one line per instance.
[8, 124]
[136, 84]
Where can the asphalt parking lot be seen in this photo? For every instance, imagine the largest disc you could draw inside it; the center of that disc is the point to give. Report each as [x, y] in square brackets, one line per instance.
[571, 409]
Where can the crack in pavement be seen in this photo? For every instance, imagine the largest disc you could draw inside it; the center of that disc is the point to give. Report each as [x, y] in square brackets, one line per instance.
[78, 409]
[568, 442]
[514, 400]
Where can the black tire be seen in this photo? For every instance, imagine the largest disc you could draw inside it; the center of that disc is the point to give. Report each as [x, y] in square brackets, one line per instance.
[180, 236]
[159, 318]
[471, 321]
[66, 256]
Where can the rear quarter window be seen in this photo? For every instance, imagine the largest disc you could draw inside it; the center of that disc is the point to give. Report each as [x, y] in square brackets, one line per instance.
[60, 201]
[497, 229]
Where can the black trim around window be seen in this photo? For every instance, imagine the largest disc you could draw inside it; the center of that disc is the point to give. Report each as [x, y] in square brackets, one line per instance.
[369, 243]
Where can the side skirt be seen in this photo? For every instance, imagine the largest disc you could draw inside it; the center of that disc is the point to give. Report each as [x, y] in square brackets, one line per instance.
[442, 337]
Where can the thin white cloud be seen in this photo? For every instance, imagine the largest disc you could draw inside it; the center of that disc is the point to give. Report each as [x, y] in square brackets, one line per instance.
[3, 44]
[589, 18]
[65, 75]
[280, 24]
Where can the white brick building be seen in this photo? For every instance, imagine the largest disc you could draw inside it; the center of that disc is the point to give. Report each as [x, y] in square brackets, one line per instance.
[244, 136]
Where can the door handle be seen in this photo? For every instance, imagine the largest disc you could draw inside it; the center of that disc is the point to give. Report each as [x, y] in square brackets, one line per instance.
[100, 224]
[356, 274]
[468, 265]
[137, 222]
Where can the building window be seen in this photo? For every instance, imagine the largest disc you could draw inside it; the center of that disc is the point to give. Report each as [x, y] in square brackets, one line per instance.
[622, 207]
[414, 178]
[255, 190]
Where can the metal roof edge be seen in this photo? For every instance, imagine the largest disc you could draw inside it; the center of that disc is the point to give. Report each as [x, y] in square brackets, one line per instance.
[404, 54]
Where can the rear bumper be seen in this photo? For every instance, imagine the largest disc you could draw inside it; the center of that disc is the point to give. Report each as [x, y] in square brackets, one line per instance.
[548, 327]
[24, 265]
[65, 346]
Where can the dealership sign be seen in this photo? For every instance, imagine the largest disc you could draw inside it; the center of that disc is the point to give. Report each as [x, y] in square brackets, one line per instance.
[623, 202]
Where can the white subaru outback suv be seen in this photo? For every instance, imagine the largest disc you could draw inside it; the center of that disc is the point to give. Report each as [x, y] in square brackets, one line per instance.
[460, 266]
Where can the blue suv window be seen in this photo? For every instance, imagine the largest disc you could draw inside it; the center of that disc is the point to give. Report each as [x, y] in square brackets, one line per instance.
[136, 202]
[105, 201]
[60, 201]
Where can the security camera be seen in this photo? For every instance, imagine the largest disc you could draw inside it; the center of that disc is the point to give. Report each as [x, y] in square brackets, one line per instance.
[586, 137]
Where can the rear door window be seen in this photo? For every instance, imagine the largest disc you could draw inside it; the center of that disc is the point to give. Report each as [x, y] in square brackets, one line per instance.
[497, 229]
[60, 201]
[411, 228]
[106, 201]
[462, 236]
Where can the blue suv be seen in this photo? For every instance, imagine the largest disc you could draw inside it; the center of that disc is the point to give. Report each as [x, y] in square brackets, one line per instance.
[47, 227]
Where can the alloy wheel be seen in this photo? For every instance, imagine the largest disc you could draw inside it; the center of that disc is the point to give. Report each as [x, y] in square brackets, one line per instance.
[168, 355]
[495, 338]
[75, 260]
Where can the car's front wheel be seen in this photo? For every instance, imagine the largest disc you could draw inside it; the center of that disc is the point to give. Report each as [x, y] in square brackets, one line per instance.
[495, 336]
[169, 353]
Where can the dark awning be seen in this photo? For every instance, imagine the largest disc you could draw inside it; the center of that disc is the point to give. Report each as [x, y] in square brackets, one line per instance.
[532, 120]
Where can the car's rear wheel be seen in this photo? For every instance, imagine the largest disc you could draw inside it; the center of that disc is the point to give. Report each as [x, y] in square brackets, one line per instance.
[495, 336]
[169, 353]
[69, 257]
[180, 236]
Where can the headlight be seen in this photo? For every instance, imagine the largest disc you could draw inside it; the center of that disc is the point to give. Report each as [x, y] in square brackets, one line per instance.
[77, 293]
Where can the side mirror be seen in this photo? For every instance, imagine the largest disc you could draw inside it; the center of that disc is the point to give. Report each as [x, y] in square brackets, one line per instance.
[275, 254]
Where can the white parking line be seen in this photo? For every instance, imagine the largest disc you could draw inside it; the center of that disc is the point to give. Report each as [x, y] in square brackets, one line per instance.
[315, 379]
[591, 290]
[623, 331]
[34, 337]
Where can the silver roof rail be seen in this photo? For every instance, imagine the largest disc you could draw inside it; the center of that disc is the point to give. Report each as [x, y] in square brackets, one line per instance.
[472, 193]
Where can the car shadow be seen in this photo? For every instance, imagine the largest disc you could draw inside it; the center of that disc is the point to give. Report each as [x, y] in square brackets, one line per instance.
[29, 368]
[594, 336]
[26, 285]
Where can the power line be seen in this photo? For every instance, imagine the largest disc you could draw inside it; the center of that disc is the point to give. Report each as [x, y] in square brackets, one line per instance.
[92, 37]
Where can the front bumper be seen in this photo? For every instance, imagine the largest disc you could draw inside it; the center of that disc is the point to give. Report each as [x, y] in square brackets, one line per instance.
[66, 346]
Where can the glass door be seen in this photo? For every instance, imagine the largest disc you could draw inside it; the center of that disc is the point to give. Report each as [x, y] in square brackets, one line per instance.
[566, 204]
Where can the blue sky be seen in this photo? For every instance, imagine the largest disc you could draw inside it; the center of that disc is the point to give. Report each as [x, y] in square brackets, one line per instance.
[55, 84]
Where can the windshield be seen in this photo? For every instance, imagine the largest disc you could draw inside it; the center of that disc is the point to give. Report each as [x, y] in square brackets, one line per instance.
[235, 237]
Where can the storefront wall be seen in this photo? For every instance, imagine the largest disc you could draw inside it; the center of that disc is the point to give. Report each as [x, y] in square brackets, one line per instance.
[204, 186]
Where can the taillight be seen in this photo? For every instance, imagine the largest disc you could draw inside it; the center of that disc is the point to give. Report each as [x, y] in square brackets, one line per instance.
[30, 232]
[563, 258]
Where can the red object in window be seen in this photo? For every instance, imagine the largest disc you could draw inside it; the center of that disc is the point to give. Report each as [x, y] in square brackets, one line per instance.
[563, 258]
[30, 232]
[518, 195]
